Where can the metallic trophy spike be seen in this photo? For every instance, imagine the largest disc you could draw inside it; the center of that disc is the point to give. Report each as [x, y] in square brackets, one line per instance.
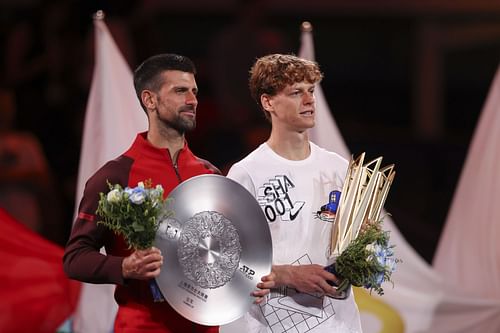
[386, 177]
[366, 196]
[347, 201]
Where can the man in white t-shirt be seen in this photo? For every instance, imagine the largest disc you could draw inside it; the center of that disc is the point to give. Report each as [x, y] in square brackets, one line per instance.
[293, 179]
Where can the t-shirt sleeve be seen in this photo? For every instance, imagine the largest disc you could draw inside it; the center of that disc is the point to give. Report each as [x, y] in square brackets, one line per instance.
[239, 174]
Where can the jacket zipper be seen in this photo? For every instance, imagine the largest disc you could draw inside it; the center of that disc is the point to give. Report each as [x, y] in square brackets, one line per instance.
[174, 164]
[177, 173]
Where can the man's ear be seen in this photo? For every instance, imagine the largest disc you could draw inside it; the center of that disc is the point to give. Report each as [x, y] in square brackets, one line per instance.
[148, 99]
[266, 102]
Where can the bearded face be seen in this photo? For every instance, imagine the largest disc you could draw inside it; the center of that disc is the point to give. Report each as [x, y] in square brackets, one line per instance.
[176, 101]
[183, 119]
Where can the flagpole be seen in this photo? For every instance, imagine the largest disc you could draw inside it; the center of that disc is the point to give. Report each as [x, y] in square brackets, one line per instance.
[306, 27]
[99, 15]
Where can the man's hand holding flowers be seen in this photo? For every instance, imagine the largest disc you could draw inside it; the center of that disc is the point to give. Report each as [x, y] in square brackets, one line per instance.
[142, 264]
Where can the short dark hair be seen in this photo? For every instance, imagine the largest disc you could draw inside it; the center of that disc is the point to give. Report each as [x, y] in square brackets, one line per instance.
[272, 73]
[148, 74]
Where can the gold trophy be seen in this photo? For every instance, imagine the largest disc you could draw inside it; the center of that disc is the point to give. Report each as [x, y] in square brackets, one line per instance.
[363, 196]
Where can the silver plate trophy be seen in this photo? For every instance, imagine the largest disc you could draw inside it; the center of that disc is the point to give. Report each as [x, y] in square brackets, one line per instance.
[215, 249]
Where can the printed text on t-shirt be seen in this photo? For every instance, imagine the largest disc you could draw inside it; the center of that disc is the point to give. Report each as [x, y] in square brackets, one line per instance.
[274, 197]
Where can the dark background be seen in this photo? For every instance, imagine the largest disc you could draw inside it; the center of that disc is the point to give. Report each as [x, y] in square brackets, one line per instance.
[404, 79]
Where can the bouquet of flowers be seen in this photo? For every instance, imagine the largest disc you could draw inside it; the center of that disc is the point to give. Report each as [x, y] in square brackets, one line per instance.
[367, 261]
[360, 247]
[135, 213]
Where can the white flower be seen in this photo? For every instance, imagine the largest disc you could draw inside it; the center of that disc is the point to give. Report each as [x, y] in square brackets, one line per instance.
[370, 248]
[140, 184]
[156, 194]
[114, 196]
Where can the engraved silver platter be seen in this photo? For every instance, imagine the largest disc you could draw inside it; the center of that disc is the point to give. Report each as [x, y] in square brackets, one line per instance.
[215, 249]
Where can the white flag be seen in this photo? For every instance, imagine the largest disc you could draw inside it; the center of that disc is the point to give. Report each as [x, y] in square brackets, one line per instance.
[113, 119]
[468, 253]
[407, 307]
[325, 133]
[473, 218]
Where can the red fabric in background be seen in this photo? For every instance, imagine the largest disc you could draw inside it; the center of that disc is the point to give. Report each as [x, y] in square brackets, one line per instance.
[35, 294]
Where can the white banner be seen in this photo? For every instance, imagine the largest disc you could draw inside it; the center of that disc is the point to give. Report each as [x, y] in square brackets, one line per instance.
[112, 120]
[468, 251]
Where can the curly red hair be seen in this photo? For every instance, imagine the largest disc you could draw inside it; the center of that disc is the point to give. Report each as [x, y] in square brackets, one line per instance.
[272, 73]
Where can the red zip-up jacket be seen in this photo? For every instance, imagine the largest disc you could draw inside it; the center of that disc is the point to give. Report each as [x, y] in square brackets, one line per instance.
[82, 260]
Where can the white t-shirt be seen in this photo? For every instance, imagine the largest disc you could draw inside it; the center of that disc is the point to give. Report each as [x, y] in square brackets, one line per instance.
[292, 195]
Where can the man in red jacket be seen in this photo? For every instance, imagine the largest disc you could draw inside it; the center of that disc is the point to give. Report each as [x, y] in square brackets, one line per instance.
[166, 88]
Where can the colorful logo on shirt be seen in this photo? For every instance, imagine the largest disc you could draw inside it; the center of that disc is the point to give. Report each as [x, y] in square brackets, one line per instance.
[328, 211]
[274, 198]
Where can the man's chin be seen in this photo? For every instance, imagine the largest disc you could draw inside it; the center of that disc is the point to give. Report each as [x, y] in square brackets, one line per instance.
[191, 127]
[188, 127]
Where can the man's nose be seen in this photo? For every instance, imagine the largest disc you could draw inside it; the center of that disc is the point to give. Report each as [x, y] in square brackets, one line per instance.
[308, 98]
[191, 98]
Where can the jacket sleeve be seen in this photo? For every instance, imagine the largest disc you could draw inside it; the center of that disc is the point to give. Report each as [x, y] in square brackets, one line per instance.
[82, 258]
